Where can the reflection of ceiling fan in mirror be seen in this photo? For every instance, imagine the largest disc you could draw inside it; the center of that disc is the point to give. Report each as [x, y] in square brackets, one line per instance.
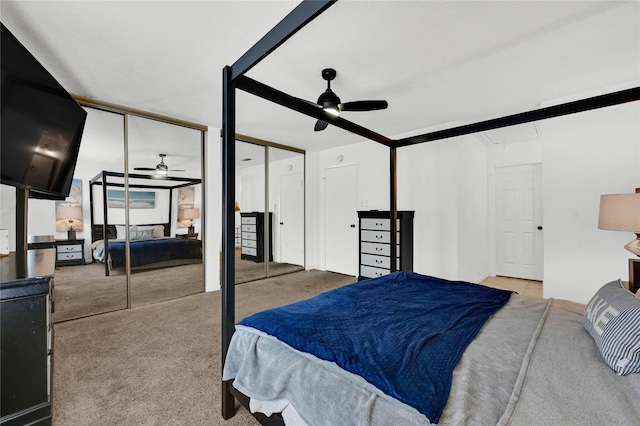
[161, 168]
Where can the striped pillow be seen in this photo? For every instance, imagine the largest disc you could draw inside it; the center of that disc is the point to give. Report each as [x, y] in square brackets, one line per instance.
[612, 318]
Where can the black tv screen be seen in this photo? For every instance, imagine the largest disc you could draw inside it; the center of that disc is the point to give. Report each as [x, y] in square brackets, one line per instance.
[41, 124]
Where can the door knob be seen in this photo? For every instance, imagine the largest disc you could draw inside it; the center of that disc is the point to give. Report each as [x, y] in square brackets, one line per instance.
[281, 223]
[539, 228]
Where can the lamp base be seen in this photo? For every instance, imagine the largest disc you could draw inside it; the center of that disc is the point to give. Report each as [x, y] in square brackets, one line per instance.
[71, 235]
[634, 275]
[634, 246]
[191, 230]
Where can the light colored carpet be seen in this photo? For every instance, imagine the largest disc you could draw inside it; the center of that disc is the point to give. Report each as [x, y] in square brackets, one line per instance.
[84, 289]
[160, 364]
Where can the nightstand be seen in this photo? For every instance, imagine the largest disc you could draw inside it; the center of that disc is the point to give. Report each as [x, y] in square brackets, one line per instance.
[187, 236]
[69, 252]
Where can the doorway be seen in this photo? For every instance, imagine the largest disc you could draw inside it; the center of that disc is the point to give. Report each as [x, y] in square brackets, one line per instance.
[518, 221]
[341, 220]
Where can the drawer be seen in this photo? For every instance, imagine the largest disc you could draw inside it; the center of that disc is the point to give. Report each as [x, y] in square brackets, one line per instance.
[248, 235]
[371, 272]
[377, 236]
[373, 260]
[379, 224]
[69, 248]
[249, 220]
[378, 261]
[70, 256]
[249, 243]
[381, 249]
[250, 251]
[248, 228]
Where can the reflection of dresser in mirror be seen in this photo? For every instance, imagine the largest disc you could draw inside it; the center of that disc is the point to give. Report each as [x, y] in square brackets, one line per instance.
[253, 236]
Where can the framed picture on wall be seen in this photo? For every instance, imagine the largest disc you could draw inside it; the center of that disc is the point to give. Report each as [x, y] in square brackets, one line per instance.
[137, 199]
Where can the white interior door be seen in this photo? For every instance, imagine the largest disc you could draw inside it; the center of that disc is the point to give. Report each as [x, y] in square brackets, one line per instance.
[519, 221]
[291, 223]
[341, 220]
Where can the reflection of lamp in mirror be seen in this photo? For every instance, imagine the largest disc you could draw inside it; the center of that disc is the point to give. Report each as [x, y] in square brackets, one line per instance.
[237, 207]
[72, 217]
[189, 215]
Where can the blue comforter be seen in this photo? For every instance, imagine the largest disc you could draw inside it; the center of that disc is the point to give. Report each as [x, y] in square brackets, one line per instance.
[144, 252]
[404, 333]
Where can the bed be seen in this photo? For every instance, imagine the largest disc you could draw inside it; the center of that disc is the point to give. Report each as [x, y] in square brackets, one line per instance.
[545, 367]
[529, 361]
[150, 245]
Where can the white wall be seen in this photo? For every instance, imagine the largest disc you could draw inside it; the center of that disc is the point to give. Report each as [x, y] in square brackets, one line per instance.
[8, 213]
[444, 182]
[213, 208]
[586, 155]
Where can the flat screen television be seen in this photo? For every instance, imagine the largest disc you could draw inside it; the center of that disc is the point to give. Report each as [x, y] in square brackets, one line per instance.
[41, 124]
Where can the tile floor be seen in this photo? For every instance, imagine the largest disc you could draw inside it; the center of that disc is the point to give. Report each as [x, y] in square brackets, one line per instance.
[524, 287]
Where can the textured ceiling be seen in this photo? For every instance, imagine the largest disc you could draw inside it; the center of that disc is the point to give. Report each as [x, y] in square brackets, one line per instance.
[435, 62]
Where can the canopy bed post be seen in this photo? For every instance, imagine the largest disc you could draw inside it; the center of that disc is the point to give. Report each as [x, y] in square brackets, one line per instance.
[228, 224]
[393, 208]
[105, 222]
[304, 13]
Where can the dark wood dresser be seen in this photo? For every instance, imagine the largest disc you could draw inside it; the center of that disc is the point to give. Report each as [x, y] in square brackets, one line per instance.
[253, 236]
[375, 239]
[26, 305]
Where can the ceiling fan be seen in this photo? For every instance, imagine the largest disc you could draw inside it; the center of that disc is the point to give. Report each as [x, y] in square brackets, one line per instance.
[331, 103]
[161, 168]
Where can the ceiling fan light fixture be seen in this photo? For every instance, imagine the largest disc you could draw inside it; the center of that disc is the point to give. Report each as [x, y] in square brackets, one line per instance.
[330, 102]
[162, 169]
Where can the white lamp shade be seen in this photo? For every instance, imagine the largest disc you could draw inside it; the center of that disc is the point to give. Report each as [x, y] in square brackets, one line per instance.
[620, 212]
[69, 213]
[188, 214]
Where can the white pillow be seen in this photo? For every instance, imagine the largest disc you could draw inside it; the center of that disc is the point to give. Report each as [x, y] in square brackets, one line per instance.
[120, 233]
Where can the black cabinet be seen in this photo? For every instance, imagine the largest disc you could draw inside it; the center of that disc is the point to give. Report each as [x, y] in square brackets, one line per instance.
[252, 236]
[375, 239]
[27, 339]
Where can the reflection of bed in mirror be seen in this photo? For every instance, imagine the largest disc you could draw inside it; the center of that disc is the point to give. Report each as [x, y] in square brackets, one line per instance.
[147, 250]
[150, 244]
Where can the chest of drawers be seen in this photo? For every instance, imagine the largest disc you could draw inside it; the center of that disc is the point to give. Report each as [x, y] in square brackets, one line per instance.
[69, 252]
[252, 236]
[375, 239]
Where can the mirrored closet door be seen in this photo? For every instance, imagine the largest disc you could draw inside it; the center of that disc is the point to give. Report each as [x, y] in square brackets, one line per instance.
[135, 172]
[269, 210]
[164, 210]
[81, 287]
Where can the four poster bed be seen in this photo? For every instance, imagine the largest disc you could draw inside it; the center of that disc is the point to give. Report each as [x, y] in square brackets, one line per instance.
[412, 349]
[150, 245]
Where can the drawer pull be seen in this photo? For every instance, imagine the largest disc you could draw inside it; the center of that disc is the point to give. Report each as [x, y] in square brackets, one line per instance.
[379, 237]
[379, 224]
[379, 248]
[378, 261]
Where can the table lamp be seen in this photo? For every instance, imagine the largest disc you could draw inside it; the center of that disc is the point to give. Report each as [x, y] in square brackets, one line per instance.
[72, 217]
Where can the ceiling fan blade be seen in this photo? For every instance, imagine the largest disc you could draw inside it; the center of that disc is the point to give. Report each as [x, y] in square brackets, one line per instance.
[150, 169]
[363, 105]
[320, 125]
